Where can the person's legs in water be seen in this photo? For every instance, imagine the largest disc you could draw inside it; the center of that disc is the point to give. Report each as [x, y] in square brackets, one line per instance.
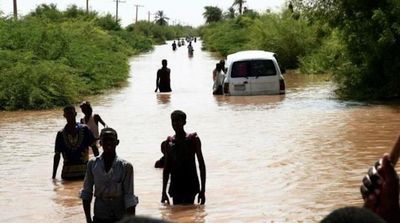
[183, 200]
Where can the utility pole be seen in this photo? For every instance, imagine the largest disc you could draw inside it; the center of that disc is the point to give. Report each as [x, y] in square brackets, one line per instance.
[87, 6]
[148, 16]
[137, 6]
[116, 9]
[15, 10]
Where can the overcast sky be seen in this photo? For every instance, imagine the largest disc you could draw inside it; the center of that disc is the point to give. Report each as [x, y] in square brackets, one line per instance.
[186, 12]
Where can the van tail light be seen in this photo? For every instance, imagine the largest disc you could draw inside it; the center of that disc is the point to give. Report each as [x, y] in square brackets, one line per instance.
[282, 85]
[226, 88]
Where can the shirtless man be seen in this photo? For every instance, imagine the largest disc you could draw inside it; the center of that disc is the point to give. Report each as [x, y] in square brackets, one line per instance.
[163, 81]
[180, 164]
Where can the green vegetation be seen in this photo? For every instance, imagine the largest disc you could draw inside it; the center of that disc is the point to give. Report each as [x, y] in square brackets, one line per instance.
[356, 42]
[280, 33]
[51, 58]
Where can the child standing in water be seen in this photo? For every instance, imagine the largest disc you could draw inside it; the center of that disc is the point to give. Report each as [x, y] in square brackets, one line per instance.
[92, 121]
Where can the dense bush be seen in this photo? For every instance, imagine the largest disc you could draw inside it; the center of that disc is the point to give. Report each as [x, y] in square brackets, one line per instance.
[369, 37]
[50, 58]
[227, 36]
[289, 38]
[325, 58]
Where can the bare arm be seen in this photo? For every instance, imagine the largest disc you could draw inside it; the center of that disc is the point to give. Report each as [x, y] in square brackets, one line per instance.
[86, 208]
[98, 119]
[128, 188]
[214, 74]
[92, 140]
[166, 172]
[395, 153]
[202, 167]
[86, 193]
[157, 80]
[56, 161]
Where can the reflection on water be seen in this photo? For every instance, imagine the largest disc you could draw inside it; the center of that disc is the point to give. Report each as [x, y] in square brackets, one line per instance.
[163, 98]
[282, 158]
[182, 213]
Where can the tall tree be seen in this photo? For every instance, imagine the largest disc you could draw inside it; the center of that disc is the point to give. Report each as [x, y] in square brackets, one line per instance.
[161, 19]
[239, 4]
[212, 14]
[230, 14]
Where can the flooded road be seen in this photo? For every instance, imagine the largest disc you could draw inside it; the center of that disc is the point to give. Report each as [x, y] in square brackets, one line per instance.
[285, 158]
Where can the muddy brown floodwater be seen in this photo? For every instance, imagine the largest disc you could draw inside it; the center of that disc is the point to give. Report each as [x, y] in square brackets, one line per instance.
[285, 158]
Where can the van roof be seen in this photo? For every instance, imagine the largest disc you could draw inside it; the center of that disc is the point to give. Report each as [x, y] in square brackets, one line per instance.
[250, 54]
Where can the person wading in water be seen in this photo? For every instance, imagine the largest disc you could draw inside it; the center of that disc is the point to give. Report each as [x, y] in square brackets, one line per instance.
[163, 81]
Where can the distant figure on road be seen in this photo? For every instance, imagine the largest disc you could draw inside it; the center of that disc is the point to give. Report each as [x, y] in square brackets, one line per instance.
[163, 81]
[73, 143]
[180, 154]
[190, 49]
[174, 46]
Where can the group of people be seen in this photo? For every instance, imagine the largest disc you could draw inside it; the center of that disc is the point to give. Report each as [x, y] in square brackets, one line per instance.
[182, 43]
[110, 178]
[163, 79]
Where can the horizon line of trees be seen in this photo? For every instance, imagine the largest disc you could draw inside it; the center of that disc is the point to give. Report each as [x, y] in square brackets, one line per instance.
[159, 17]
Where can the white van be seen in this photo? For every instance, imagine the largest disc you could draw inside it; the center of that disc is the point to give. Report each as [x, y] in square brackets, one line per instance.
[253, 72]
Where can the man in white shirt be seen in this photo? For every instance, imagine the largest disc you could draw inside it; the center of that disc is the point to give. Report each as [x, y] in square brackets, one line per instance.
[112, 178]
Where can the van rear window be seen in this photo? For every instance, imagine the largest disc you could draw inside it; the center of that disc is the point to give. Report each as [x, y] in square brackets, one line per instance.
[253, 68]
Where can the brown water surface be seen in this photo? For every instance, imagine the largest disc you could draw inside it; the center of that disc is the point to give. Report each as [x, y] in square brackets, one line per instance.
[285, 158]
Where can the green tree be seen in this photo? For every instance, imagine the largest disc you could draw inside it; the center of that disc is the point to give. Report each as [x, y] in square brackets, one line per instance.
[239, 4]
[212, 14]
[230, 14]
[108, 22]
[370, 32]
[161, 19]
